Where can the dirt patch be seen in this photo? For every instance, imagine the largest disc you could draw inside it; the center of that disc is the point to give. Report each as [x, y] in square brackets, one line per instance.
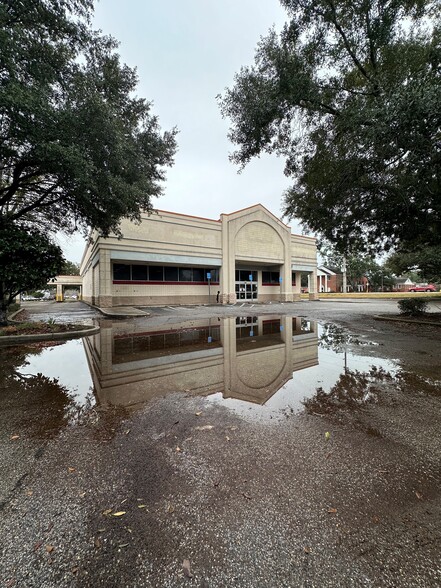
[31, 328]
[426, 318]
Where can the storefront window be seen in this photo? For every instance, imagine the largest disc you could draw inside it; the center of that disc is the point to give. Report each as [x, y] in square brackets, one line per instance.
[139, 272]
[121, 271]
[158, 273]
[171, 274]
[185, 274]
[270, 277]
[198, 274]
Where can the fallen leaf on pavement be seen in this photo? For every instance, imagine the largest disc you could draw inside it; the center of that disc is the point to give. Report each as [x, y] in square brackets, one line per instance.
[198, 413]
[107, 512]
[49, 548]
[227, 438]
[419, 495]
[170, 508]
[70, 470]
[186, 568]
[307, 550]
[123, 545]
[332, 510]
[120, 513]
[14, 437]
[178, 449]
[142, 506]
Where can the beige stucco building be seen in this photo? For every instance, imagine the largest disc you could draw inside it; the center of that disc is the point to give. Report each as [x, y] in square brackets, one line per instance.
[170, 258]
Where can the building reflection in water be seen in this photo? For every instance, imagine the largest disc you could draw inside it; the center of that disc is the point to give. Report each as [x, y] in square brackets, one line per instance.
[248, 358]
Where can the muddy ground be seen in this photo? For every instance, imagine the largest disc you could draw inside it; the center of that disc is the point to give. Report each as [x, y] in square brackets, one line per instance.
[345, 492]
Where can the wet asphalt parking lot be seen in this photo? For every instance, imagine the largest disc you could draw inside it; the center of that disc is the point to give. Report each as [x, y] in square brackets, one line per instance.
[334, 481]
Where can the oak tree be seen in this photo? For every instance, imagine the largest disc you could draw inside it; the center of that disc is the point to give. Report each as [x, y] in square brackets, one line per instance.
[349, 93]
[78, 149]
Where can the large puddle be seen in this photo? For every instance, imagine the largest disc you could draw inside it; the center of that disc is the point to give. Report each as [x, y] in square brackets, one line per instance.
[261, 367]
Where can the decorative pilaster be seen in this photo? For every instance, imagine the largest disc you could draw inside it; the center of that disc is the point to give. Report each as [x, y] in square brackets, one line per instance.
[228, 294]
[59, 295]
[105, 280]
[313, 285]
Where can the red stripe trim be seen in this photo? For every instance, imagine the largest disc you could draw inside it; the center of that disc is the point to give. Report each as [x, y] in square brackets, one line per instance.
[146, 283]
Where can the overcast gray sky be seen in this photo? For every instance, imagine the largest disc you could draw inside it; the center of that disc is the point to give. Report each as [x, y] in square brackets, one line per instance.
[186, 52]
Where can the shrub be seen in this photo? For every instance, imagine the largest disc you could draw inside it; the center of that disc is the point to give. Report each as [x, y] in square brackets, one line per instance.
[413, 306]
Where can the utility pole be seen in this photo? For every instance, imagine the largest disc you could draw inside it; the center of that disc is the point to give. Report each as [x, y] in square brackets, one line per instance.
[343, 269]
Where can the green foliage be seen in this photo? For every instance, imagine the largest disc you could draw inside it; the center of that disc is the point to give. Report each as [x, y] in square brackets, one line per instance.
[77, 148]
[28, 260]
[425, 260]
[412, 306]
[358, 265]
[70, 269]
[349, 94]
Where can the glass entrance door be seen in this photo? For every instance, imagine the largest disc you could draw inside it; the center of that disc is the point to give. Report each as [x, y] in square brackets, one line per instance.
[246, 285]
[246, 291]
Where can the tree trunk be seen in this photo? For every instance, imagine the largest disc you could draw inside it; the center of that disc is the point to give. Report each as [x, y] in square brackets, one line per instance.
[3, 315]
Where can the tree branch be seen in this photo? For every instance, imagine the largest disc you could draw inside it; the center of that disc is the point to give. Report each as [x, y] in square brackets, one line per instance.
[16, 181]
[372, 54]
[351, 53]
[38, 203]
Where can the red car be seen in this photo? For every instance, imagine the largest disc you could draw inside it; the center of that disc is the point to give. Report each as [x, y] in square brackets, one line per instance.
[428, 288]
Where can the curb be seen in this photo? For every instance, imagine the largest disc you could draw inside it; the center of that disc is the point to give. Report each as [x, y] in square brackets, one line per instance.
[13, 339]
[380, 317]
[109, 314]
